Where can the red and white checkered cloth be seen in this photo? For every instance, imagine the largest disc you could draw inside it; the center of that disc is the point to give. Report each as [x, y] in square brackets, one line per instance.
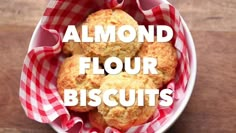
[38, 92]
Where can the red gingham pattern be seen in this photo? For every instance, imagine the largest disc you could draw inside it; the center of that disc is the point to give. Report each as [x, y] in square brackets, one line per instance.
[38, 91]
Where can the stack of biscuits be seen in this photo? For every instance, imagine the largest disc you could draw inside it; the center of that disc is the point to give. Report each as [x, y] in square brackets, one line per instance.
[119, 117]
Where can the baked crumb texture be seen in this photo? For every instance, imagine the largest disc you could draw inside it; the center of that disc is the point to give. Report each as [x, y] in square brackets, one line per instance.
[69, 78]
[119, 117]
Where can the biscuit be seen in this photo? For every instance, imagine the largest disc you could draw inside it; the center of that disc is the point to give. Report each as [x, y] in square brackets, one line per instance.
[166, 55]
[157, 78]
[70, 78]
[103, 50]
[121, 117]
[71, 47]
[96, 120]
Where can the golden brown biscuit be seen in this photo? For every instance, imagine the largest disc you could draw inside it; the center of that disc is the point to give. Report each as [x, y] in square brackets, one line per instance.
[121, 117]
[70, 78]
[157, 78]
[166, 55]
[71, 47]
[96, 120]
[103, 50]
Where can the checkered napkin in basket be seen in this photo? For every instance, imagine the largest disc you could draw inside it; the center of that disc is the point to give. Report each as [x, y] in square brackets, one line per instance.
[38, 92]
